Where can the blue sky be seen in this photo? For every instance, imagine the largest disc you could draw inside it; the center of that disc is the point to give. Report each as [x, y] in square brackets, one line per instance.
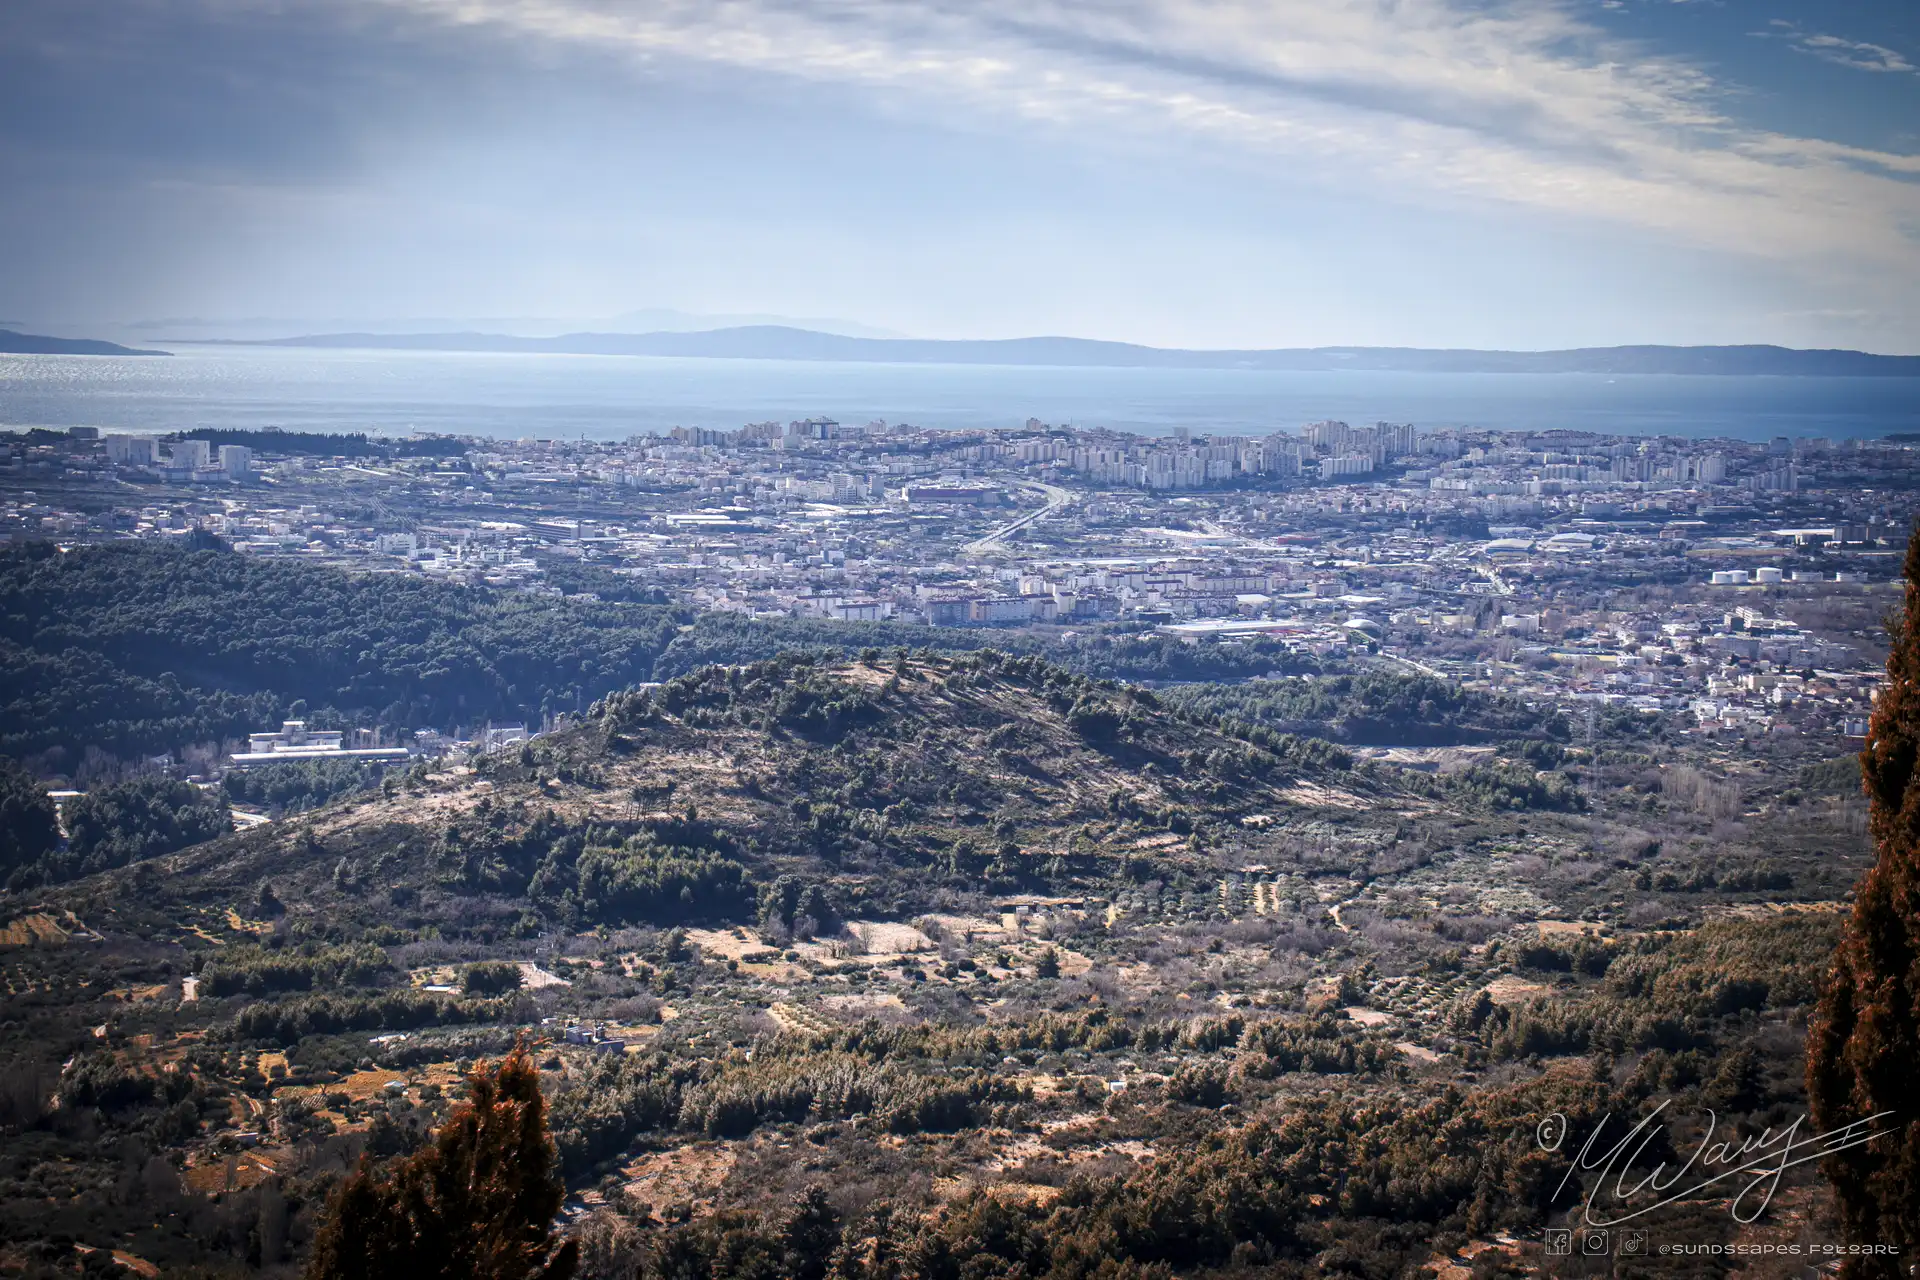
[1227, 173]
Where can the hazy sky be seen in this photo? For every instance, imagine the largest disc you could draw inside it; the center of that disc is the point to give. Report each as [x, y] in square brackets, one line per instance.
[1181, 172]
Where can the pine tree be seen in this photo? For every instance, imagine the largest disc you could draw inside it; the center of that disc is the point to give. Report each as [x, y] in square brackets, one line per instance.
[1863, 1047]
[28, 828]
[477, 1203]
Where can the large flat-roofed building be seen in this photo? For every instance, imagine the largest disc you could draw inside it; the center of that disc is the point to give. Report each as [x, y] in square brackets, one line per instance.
[294, 735]
[130, 451]
[295, 741]
[1000, 609]
[922, 494]
[1346, 464]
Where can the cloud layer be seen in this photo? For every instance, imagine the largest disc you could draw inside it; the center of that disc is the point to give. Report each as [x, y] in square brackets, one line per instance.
[1520, 103]
[1501, 172]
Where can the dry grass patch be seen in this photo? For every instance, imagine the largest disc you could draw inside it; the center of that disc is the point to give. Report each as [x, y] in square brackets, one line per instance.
[239, 924]
[888, 938]
[239, 1171]
[43, 929]
[1315, 796]
[366, 1086]
[864, 1005]
[1508, 989]
[1568, 928]
[689, 1175]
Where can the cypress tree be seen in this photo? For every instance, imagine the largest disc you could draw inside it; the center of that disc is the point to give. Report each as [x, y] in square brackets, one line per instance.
[1863, 1045]
[477, 1203]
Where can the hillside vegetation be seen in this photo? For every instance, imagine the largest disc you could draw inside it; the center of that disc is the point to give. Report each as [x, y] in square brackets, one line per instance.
[137, 648]
[134, 649]
[895, 780]
[1379, 709]
[893, 964]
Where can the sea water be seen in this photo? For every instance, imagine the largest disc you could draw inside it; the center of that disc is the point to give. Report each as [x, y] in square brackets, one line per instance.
[513, 396]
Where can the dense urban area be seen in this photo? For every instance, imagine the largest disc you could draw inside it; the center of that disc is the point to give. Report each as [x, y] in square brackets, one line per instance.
[1708, 576]
[905, 852]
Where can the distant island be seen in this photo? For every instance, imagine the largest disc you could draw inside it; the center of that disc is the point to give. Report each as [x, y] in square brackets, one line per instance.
[35, 344]
[777, 342]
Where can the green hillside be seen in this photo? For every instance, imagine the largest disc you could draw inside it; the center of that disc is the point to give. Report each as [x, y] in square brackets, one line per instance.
[932, 957]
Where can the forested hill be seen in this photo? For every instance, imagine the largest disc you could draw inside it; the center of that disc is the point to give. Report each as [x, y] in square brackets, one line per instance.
[135, 648]
[887, 919]
[1378, 709]
[138, 648]
[894, 778]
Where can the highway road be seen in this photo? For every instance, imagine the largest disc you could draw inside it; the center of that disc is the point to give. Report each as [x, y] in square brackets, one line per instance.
[1057, 500]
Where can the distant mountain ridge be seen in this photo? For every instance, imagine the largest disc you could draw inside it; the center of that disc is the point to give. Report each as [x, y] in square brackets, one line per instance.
[778, 342]
[638, 320]
[35, 344]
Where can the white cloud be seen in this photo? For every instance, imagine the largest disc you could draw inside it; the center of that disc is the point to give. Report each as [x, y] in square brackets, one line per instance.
[1861, 55]
[1519, 102]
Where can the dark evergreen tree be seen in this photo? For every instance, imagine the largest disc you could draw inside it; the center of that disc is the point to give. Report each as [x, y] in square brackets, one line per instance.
[477, 1203]
[144, 818]
[1864, 1040]
[28, 827]
[490, 977]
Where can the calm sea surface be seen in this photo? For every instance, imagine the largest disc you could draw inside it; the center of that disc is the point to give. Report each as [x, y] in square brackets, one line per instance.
[612, 397]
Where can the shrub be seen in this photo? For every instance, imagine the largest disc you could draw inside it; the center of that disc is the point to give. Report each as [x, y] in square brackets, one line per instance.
[490, 978]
